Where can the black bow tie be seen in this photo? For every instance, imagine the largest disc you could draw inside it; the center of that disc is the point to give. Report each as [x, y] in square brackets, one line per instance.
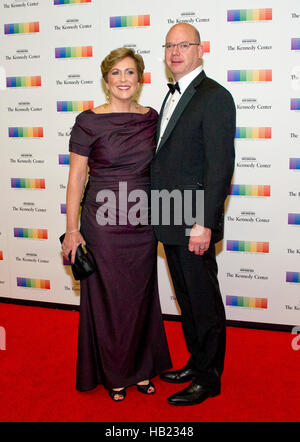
[174, 87]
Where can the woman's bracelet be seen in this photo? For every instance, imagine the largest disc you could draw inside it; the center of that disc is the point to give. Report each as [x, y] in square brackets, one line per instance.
[72, 231]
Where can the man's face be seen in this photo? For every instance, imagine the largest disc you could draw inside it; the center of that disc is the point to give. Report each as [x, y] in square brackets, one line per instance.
[178, 61]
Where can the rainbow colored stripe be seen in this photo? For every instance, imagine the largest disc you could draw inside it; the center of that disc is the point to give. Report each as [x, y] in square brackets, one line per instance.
[253, 132]
[245, 301]
[206, 46]
[249, 14]
[294, 218]
[25, 132]
[295, 103]
[250, 75]
[28, 183]
[64, 159]
[295, 44]
[247, 246]
[146, 78]
[1, 255]
[33, 81]
[74, 52]
[129, 21]
[74, 106]
[250, 190]
[63, 208]
[22, 28]
[33, 283]
[21, 232]
[293, 277]
[294, 163]
[69, 2]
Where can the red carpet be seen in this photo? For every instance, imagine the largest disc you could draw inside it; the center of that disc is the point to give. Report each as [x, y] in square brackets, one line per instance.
[261, 380]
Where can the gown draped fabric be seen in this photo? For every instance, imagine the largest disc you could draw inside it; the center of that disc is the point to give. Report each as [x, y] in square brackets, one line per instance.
[121, 337]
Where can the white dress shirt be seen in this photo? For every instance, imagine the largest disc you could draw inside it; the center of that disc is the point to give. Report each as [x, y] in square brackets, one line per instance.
[173, 99]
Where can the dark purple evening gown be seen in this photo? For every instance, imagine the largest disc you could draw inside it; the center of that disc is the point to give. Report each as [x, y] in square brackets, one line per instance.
[121, 337]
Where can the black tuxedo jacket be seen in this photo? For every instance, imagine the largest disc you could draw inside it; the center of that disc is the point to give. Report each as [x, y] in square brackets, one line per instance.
[197, 152]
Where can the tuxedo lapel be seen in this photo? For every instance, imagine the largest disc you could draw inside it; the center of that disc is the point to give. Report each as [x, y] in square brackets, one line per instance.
[182, 104]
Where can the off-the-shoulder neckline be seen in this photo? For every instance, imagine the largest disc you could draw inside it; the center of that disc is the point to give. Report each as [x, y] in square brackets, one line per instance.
[120, 113]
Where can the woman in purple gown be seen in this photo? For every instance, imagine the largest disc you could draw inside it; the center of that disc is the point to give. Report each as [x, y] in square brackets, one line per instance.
[121, 337]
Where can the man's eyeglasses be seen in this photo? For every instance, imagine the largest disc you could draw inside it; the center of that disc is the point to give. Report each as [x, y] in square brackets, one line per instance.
[182, 46]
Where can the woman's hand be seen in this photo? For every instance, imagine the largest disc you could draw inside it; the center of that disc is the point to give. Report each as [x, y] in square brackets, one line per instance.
[70, 244]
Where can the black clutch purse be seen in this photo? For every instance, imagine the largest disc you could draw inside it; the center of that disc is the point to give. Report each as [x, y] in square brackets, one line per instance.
[84, 264]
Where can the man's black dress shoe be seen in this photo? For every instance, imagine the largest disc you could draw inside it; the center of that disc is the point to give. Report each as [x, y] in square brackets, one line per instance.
[178, 376]
[193, 394]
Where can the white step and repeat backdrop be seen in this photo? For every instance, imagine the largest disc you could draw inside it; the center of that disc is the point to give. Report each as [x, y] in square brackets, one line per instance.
[51, 52]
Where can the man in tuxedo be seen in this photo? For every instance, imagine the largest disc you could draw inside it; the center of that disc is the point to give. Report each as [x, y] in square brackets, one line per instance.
[195, 151]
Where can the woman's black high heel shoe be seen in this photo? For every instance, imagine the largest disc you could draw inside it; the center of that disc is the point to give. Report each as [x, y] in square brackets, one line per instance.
[144, 388]
[113, 393]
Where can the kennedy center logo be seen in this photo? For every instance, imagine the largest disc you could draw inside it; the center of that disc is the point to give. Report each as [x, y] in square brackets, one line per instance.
[74, 106]
[27, 183]
[70, 2]
[74, 52]
[247, 246]
[25, 132]
[256, 75]
[21, 28]
[253, 132]
[293, 277]
[250, 190]
[129, 21]
[249, 15]
[30, 81]
[33, 283]
[244, 301]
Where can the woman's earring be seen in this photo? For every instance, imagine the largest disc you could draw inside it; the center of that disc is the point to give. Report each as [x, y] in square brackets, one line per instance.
[107, 96]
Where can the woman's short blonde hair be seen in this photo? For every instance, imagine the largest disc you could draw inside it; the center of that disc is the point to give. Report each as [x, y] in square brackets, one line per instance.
[119, 54]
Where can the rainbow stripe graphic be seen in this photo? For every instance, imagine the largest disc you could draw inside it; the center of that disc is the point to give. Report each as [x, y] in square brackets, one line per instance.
[250, 190]
[250, 75]
[247, 246]
[244, 301]
[146, 78]
[64, 159]
[294, 163]
[33, 81]
[249, 14]
[33, 283]
[69, 2]
[295, 103]
[129, 21]
[295, 44]
[25, 132]
[21, 232]
[22, 28]
[28, 183]
[293, 277]
[74, 52]
[294, 218]
[74, 106]
[1, 255]
[253, 132]
[206, 46]
[63, 208]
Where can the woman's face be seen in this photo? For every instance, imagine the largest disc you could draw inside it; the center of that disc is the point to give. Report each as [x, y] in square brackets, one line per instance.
[122, 80]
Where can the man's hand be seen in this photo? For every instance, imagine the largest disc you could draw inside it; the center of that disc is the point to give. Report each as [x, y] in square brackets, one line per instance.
[199, 239]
